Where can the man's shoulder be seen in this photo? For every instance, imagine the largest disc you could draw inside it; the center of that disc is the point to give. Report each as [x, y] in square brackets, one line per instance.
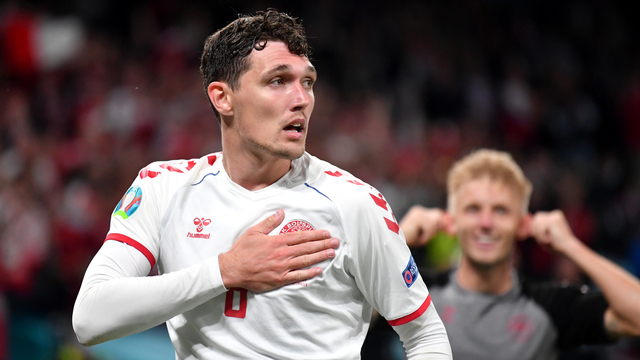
[176, 173]
[576, 311]
[548, 291]
[356, 200]
[338, 181]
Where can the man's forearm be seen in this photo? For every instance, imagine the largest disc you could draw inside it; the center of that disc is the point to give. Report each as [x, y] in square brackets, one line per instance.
[425, 337]
[116, 301]
[621, 289]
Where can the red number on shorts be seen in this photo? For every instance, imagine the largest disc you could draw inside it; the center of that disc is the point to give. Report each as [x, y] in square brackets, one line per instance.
[228, 304]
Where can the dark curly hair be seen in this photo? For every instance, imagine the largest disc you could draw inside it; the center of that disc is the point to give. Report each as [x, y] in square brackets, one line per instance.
[224, 57]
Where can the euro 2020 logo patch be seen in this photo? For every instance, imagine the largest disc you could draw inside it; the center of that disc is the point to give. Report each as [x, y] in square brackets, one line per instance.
[129, 202]
[410, 273]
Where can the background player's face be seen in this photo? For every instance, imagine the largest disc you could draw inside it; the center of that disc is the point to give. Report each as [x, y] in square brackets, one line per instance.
[487, 218]
[274, 101]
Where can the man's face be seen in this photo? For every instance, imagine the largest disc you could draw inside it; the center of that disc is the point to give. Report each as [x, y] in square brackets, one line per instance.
[273, 102]
[487, 218]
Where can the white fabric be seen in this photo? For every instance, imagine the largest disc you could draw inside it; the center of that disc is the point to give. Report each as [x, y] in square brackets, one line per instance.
[115, 300]
[420, 340]
[191, 211]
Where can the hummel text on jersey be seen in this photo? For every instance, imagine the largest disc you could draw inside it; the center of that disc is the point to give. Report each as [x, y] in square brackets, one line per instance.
[198, 236]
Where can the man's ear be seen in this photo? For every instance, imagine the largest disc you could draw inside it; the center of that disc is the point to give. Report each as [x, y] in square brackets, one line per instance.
[524, 229]
[449, 224]
[220, 96]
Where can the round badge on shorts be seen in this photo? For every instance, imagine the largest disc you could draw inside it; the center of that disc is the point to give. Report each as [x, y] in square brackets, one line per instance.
[296, 225]
[129, 202]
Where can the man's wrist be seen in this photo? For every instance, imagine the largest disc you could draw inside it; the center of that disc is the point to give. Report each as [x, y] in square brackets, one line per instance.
[225, 278]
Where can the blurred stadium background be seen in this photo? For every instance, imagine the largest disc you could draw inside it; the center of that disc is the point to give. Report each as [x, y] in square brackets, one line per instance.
[92, 91]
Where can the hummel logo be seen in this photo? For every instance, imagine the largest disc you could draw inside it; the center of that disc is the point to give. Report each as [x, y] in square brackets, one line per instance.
[201, 223]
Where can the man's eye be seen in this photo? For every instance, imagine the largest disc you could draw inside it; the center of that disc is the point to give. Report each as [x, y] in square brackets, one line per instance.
[472, 209]
[308, 83]
[276, 81]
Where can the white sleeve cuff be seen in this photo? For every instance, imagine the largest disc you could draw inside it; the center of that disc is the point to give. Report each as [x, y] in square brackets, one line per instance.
[425, 337]
[215, 276]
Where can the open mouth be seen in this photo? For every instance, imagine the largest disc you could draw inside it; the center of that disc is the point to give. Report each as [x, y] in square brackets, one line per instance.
[296, 127]
[484, 239]
[485, 242]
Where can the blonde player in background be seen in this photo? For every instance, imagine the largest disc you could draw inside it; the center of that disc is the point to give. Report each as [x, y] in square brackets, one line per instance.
[491, 313]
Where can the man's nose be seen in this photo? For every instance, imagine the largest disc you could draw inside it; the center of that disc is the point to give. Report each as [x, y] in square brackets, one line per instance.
[301, 97]
[486, 220]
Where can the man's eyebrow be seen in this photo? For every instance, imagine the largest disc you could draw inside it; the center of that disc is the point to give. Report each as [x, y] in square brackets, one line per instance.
[285, 68]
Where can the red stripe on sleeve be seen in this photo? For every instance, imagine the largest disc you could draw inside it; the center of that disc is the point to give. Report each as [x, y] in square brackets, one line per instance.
[414, 315]
[129, 241]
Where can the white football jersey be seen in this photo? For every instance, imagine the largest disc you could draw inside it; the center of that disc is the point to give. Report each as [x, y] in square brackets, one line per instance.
[181, 213]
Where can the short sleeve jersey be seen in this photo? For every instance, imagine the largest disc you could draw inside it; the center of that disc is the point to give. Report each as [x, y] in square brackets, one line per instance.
[183, 212]
[529, 322]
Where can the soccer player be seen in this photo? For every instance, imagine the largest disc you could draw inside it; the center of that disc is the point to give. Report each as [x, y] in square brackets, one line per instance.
[488, 311]
[220, 290]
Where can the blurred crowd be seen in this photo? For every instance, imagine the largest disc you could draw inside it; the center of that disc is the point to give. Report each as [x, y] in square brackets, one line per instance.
[94, 91]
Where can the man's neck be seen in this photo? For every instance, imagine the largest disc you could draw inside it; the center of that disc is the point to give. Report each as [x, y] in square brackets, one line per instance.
[496, 279]
[254, 172]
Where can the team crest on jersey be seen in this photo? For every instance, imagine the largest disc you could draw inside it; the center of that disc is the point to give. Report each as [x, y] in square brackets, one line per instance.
[521, 327]
[410, 273]
[296, 225]
[129, 203]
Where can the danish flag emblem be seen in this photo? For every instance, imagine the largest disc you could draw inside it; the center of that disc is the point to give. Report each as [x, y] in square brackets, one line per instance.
[201, 223]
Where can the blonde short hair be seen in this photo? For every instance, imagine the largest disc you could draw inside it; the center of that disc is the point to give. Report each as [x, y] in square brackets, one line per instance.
[497, 165]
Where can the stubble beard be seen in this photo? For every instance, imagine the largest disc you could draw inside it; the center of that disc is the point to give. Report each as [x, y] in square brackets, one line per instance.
[280, 152]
